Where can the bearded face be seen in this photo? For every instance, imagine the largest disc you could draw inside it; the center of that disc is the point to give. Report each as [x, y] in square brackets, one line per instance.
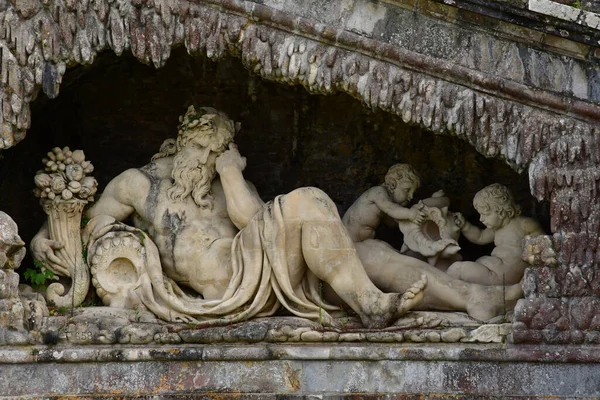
[199, 143]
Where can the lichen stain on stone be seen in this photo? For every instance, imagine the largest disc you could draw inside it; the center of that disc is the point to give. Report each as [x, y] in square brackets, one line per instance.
[185, 380]
[163, 385]
[291, 378]
[200, 380]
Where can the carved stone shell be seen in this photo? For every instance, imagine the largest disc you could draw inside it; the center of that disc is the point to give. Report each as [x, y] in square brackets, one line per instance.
[423, 238]
[116, 263]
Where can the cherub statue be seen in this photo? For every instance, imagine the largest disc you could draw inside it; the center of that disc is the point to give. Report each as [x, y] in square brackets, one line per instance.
[430, 233]
[386, 200]
[506, 228]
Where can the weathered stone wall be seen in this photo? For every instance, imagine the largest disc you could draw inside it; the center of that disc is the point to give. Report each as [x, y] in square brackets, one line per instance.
[514, 85]
[119, 111]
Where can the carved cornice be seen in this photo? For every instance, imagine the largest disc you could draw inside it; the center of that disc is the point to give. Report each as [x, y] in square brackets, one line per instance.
[498, 116]
[539, 15]
[410, 60]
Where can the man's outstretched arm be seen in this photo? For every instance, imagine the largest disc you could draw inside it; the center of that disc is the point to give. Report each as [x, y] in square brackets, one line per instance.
[242, 202]
[120, 196]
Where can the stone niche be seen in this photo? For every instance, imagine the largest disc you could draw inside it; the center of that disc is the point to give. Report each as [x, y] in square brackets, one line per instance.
[119, 111]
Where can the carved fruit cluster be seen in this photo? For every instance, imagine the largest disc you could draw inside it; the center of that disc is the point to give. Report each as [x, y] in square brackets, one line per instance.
[65, 176]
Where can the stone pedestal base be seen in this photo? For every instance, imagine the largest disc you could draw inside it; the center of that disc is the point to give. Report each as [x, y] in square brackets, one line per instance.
[293, 371]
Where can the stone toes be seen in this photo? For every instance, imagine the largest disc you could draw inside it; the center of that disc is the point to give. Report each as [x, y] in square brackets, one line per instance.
[408, 295]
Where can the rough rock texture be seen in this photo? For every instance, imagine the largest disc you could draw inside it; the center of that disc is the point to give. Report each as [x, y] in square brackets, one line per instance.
[558, 320]
[105, 325]
[20, 311]
[41, 45]
[533, 105]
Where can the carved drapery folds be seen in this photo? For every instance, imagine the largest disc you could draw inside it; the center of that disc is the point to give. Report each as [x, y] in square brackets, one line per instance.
[555, 138]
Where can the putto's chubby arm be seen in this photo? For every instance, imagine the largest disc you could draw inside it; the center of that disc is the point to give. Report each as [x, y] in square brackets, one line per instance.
[242, 199]
[122, 195]
[473, 233]
[379, 196]
[478, 236]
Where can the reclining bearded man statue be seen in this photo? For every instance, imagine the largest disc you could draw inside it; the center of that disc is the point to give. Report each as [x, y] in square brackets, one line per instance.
[216, 236]
[245, 258]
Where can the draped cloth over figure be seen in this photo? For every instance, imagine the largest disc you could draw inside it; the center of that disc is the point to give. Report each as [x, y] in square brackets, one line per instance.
[260, 282]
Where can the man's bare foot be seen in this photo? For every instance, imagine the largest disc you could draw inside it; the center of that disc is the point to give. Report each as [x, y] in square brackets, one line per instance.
[412, 297]
[394, 305]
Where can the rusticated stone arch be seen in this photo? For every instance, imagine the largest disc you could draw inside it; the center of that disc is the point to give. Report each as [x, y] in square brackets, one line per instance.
[40, 40]
[552, 136]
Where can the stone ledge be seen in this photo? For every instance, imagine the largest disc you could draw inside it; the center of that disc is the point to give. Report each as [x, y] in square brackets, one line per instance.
[105, 325]
[565, 12]
[294, 371]
[545, 16]
[339, 352]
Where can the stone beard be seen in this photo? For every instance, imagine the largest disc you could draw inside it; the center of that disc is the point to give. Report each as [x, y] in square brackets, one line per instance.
[191, 176]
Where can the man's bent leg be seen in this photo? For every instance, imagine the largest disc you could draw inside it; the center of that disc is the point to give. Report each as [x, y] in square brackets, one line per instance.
[316, 236]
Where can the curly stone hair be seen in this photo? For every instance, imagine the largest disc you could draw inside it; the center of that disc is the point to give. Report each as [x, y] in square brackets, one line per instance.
[401, 173]
[496, 198]
[205, 121]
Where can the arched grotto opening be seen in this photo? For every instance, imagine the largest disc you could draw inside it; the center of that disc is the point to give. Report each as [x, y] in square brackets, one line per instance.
[119, 111]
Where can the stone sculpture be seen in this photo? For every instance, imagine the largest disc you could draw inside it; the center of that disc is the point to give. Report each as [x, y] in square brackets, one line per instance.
[216, 236]
[246, 258]
[430, 233]
[20, 310]
[426, 230]
[385, 201]
[506, 228]
[64, 189]
[434, 238]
